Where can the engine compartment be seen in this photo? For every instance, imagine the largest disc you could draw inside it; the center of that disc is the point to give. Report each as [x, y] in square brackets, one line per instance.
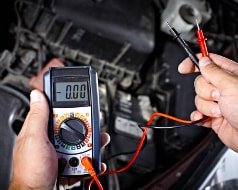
[136, 60]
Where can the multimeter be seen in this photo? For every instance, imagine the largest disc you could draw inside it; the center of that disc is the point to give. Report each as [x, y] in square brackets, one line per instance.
[74, 131]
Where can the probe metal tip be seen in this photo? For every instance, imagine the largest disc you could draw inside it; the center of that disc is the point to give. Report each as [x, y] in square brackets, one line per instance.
[169, 26]
[197, 24]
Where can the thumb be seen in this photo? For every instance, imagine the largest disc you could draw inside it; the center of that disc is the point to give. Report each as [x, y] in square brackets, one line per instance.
[36, 122]
[214, 74]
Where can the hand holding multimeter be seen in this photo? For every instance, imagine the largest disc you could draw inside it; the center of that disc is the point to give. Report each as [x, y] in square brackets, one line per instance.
[35, 160]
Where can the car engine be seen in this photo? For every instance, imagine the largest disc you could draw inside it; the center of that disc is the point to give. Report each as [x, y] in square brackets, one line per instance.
[129, 45]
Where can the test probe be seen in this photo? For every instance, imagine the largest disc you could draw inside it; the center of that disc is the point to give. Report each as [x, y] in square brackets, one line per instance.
[202, 41]
[184, 45]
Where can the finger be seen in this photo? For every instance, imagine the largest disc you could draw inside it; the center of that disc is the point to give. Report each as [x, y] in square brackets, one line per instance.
[37, 81]
[36, 122]
[187, 66]
[103, 167]
[225, 63]
[105, 139]
[206, 90]
[214, 74]
[196, 115]
[227, 133]
[208, 108]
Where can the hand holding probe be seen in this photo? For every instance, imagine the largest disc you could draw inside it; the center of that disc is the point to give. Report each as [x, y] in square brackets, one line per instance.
[184, 45]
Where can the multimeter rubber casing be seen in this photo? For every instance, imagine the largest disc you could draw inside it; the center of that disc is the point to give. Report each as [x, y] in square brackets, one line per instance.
[74, 131]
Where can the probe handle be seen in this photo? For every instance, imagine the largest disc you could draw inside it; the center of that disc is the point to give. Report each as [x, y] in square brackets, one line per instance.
[185, 46]
[201, 40]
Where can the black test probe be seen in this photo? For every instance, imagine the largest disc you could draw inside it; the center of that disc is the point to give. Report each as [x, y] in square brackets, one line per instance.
[184, 45]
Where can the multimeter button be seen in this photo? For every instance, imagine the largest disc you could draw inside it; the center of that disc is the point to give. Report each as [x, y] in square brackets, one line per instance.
[74, 162]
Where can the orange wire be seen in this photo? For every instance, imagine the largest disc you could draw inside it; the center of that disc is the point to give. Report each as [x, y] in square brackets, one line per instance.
[141, 142]
[172, 118]
[87, 163]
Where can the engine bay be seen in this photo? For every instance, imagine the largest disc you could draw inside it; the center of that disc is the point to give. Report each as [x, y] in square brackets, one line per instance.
[129, 45]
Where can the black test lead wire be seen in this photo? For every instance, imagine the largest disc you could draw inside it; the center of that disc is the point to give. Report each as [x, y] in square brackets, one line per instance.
[204, 119]
[184, 45]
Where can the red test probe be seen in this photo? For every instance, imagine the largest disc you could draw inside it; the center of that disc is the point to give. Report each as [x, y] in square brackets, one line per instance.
[202, 41]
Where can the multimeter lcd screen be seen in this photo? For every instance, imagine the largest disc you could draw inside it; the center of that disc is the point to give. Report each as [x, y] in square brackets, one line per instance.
[71, 91]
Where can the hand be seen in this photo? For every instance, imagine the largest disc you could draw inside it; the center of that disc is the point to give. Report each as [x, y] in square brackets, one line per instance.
[35, 162]
[217, 95]
[36, 82]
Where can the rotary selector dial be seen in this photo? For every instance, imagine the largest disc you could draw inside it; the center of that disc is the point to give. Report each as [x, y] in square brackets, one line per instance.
[72, 131]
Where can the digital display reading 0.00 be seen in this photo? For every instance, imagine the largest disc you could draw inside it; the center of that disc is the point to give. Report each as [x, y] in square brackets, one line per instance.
[71, 91]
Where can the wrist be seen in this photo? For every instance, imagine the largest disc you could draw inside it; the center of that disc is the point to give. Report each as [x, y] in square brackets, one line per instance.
[14, 185]
[20, 185]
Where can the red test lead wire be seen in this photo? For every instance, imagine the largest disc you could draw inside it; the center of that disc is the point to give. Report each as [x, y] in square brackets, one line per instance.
[141, 142]
[202, 41]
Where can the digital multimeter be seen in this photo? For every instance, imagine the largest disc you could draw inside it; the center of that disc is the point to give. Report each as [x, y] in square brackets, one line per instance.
[74, 118]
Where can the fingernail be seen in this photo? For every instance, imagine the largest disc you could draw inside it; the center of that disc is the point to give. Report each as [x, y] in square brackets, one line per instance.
[195, 116]
[204, 61]
[105, 139]
[35, 96]
[192, 116]
[216, 112]
[215, 94]
[179, 68]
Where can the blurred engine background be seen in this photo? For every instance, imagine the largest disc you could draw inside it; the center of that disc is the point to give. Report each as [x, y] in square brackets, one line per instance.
[129, 45]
